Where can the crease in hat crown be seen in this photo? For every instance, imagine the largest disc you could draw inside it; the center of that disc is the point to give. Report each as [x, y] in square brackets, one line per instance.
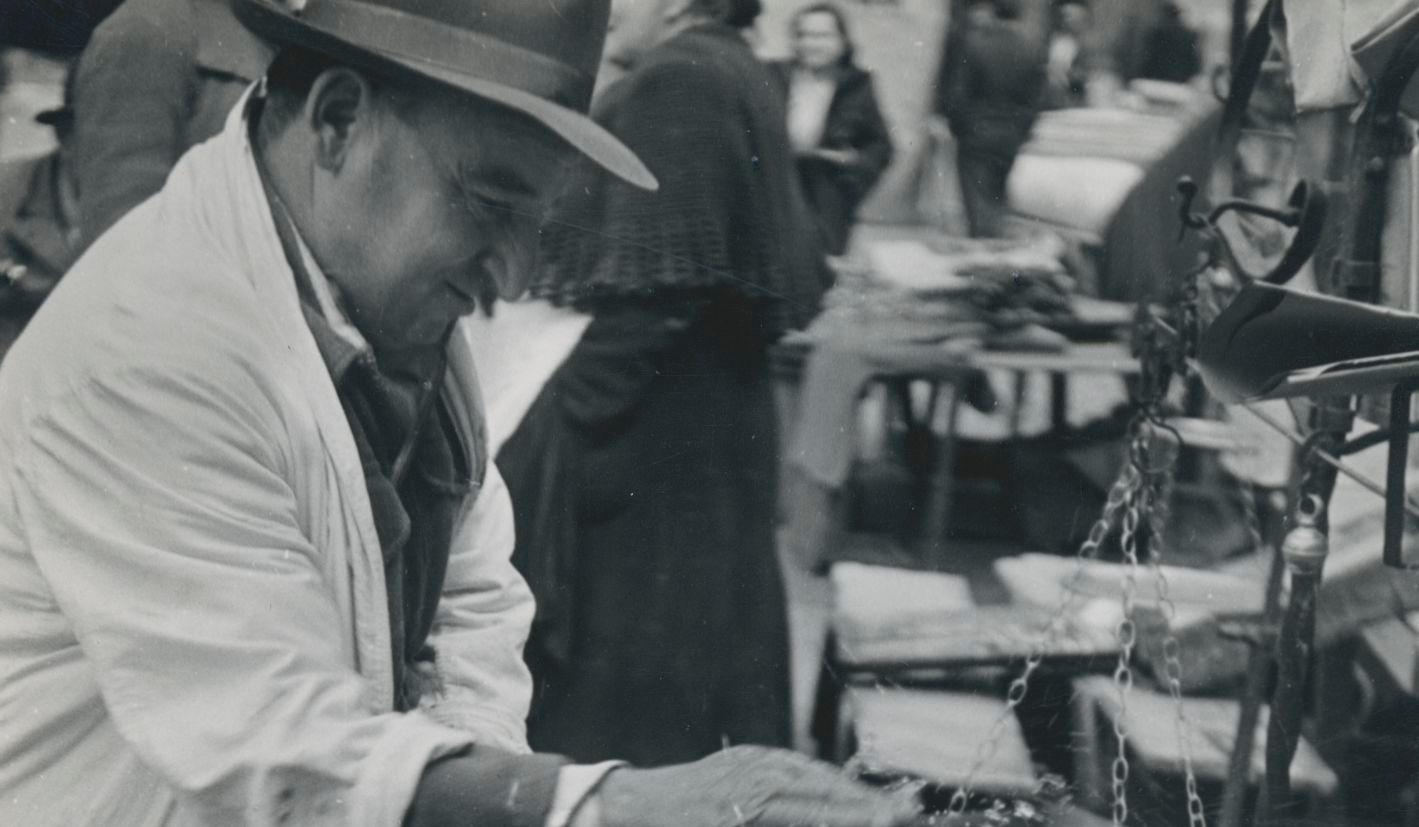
[539, 58]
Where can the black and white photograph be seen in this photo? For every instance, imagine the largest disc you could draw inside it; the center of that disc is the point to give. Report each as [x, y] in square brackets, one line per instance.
[709, 413]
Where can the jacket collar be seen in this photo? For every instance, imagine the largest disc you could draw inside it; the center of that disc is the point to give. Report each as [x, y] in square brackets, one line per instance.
[217, 187]
[339, 341]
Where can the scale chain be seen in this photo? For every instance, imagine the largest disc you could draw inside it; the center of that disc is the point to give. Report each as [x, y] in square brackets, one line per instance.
[1172, 659]
[1127, 633]
[1120, 493]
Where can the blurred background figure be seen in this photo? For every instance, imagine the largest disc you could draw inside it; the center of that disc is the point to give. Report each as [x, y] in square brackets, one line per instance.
[1172, 51]
[643, 475]
[744, 16]
[1069, 44]
[157, 77]
[989, 90]
[835, 125]
[53, 27]
[39, 230]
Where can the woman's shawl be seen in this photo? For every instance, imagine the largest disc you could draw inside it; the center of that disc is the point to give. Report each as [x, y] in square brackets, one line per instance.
[705, 117]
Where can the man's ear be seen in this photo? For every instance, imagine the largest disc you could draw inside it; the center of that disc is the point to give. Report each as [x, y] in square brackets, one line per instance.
[339, 106]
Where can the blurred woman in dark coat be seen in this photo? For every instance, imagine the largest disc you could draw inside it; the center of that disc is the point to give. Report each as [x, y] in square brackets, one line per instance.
[643, 477]
[835, 126]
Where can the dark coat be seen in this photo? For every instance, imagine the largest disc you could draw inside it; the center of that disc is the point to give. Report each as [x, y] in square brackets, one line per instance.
[158, 77]
[990, 87]
[643, 478]
[854, 123]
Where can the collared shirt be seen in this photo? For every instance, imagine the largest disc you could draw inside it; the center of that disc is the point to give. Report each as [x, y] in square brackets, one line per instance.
[416, 468]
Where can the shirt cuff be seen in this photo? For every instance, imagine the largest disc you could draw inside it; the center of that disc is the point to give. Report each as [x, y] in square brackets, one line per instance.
[575, 783]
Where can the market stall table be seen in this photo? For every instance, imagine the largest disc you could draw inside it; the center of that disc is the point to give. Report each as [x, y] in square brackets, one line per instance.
[891, 732]
[902, 627]
[821, 439]
[1154, 749]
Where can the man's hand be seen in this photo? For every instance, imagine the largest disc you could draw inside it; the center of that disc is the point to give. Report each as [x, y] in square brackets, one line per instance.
[748, 786]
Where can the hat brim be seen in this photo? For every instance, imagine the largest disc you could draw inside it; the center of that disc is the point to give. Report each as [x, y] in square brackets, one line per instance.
[578, 130]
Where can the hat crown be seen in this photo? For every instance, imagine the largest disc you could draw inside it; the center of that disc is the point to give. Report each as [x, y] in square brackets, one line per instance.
[538, 57]
[572, 32]
[547, 48]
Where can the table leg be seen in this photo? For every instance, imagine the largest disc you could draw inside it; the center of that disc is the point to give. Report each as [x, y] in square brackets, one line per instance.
[939, 490]
[1017, 403]
[1058, 402]
[827, 702]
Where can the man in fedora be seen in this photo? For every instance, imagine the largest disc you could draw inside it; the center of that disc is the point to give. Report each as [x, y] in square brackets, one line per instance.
[253, 559]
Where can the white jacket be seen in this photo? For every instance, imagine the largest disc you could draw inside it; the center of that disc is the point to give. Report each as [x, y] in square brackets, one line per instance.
[193, 625]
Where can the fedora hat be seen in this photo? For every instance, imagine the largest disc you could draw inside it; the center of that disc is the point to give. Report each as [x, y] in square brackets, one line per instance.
[539, 58]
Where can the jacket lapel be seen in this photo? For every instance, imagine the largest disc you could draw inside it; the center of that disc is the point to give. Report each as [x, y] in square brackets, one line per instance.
[243, 225]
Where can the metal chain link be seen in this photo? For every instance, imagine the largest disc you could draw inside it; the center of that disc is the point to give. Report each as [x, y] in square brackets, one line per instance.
[1120, 493]
[1138, 491]
[1160, 490]
[1127, 633]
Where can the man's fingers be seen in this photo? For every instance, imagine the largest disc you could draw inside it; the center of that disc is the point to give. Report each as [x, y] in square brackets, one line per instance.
[815, 779]
[884, 812]
[793, 789]
[858, 803]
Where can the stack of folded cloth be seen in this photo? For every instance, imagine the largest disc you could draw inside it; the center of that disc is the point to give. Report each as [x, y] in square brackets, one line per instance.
[958, 286]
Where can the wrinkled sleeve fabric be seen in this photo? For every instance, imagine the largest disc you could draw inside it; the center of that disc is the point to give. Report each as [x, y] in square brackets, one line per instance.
[157, 506]
[481, 626]
[131, 93]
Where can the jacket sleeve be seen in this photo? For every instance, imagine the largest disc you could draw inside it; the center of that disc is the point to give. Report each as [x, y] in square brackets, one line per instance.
[157, 505]
[482, 624]
[132, 90]
[868, 135]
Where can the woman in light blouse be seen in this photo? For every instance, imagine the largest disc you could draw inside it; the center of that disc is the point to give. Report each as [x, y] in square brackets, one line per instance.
[834, 123]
